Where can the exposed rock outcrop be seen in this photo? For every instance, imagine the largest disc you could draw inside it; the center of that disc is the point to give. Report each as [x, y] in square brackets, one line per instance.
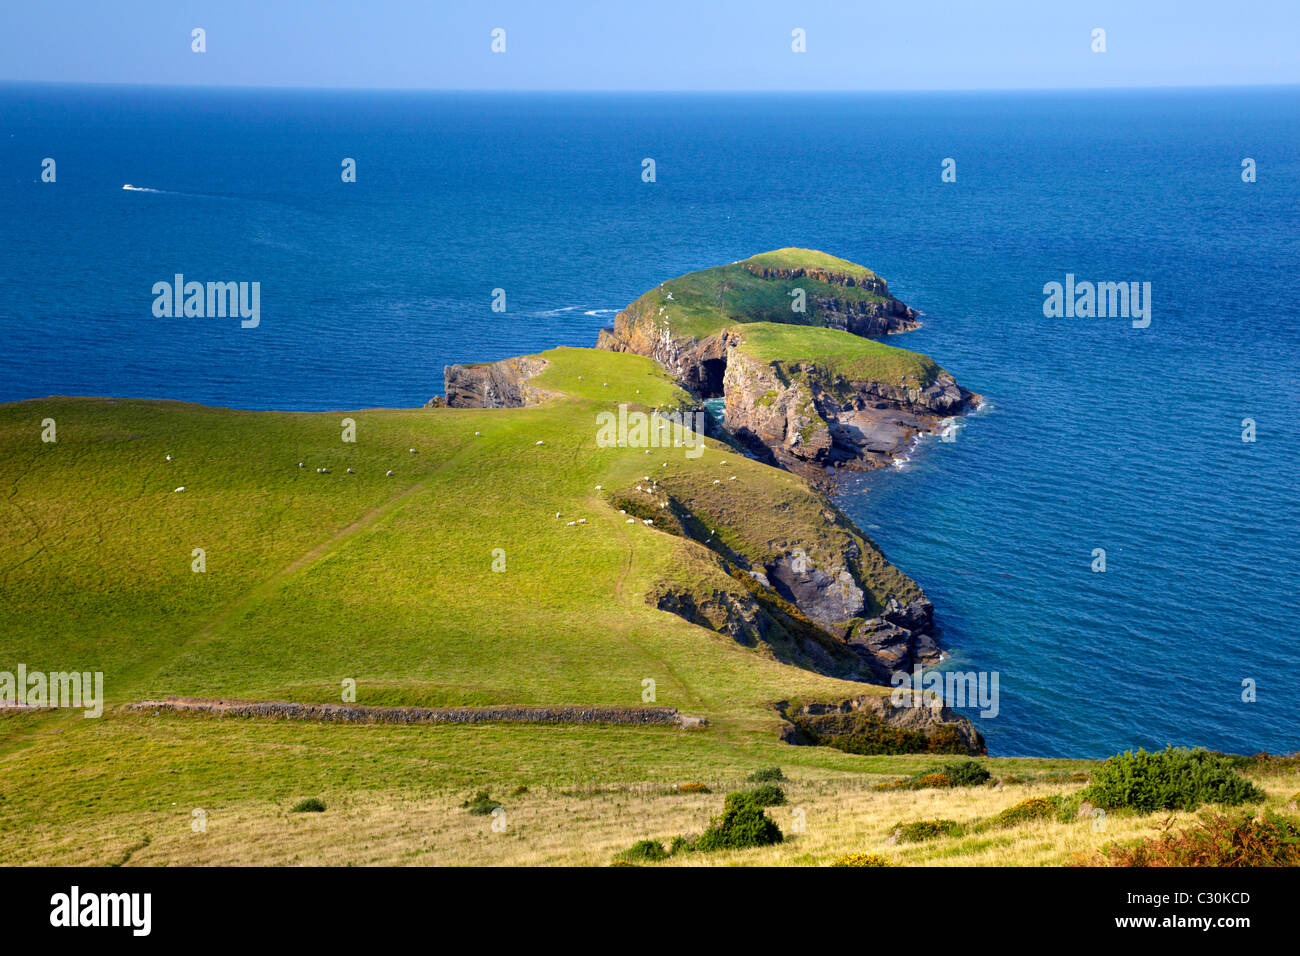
[803, 416]
[860, 317]
[503, 384]
[872, 724]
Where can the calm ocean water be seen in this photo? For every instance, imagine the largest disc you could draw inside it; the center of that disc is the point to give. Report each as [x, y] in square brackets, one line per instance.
[1096, 435]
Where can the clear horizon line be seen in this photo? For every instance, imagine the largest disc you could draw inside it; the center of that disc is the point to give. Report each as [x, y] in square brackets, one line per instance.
[7, 81]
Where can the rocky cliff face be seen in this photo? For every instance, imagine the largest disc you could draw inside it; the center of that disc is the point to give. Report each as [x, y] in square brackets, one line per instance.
[698, 366]
[849, 315]
[823, 597]
[804, 417]
[503, 384]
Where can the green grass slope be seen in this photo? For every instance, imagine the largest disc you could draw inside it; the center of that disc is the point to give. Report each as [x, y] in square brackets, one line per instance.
[316, 578]
[837, 354]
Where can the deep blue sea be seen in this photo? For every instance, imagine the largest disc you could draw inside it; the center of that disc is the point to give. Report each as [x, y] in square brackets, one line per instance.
[1095, 434]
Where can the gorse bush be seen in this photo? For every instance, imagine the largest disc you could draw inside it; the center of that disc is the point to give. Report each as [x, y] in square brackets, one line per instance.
[481, 804]
[766, 775]
[768, 795]
[693, 788]
[920, 830]
[644, 851]
[1172, 779]
[743, 824]
[309, 805]
[933, 780]
[965, 773]
[863, 859]
[1034, 808]
[1218, 840]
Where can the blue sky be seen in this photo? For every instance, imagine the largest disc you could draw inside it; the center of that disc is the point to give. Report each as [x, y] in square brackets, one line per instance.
[654, 44]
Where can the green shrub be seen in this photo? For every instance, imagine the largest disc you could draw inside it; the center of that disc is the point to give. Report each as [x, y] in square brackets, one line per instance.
[863, 859]
[1172, 779]
[768, 795]
[1034, 808]
[481, 804]
[742, 824]
[928, 780]
[965, 773]
[766, 775]
[920, 830]
[309, 805]
[644, 851]
[680, 844]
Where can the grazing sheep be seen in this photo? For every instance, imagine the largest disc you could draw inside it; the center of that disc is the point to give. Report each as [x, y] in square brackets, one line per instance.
[717, 481]
[390, 474]
[539, 441]
[648, 521]
[476, 434]
[181, 488]
[622, 511]
[300, 465]
[411, 450]
[169, 457]
[629, 520]
[598, 487]
[349, 471]
[572, 523]
[582, 521]
[557, 514]
[733, 478]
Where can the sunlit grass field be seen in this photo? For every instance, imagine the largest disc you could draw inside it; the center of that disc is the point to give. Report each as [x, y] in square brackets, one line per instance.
[313, 579]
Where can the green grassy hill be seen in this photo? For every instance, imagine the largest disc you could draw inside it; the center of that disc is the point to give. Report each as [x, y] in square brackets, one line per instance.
[313, 578]
[758, 289]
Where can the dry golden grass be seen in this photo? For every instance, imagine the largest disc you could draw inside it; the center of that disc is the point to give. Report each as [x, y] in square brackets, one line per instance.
[554, 828]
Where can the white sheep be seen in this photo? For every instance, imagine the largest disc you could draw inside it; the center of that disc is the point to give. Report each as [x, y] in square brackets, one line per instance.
[648, 521]
[631, 521]
[539, 441]
[300, 465]
[181, 488]
[169, 457]
[717, 481]
[572, 523]
[411, 450]
[598, 487]
[582, 521]
[349, 471]
[390, 473]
